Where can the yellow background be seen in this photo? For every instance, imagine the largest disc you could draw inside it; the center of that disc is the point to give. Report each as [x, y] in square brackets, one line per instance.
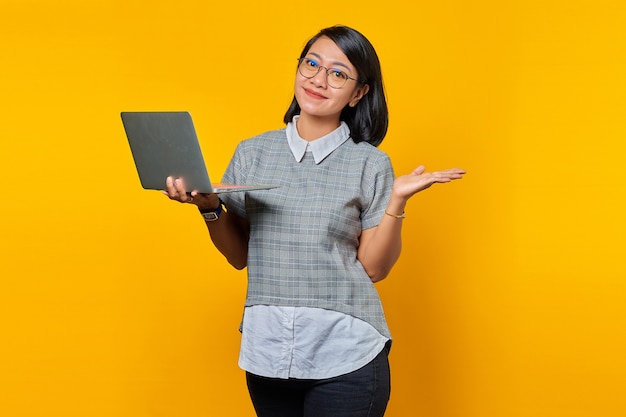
[509, 298]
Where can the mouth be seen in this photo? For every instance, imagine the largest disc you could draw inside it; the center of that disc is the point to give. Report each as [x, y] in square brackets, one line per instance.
[313, 94]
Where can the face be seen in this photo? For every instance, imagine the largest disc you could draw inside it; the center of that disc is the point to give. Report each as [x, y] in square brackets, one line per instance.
[315, 97]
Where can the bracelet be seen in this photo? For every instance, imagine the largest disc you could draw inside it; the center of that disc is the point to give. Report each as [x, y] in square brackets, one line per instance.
[397, 216]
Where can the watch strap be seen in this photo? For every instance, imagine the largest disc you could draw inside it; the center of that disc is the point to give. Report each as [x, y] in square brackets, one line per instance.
[213, 214]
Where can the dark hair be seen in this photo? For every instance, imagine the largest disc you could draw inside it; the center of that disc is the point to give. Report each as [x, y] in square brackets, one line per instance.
[369, 119]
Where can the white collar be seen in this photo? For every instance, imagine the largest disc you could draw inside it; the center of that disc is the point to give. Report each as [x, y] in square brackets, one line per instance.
[321, 147]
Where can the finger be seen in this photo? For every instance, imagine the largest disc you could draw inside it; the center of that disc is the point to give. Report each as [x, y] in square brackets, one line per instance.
[440, 177]
[199, 198]
[419, 170]
[455, 171]
[170, 191]
[179, 186]
[451, 173]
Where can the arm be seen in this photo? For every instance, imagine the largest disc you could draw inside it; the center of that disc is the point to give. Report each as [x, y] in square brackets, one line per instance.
[229, 233]
[380, 246]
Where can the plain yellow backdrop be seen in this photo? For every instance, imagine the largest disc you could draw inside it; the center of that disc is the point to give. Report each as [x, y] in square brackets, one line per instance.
[509, 298]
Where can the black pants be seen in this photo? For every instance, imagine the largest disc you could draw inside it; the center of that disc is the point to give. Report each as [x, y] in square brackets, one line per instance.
[362, 393]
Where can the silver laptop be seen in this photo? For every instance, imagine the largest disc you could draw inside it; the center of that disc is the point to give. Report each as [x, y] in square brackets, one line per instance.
[165, 144]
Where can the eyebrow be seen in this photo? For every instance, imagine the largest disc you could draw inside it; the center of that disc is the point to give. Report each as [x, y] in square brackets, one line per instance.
[336, 63]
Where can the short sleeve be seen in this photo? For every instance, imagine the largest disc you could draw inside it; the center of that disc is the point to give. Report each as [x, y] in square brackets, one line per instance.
[377, 186]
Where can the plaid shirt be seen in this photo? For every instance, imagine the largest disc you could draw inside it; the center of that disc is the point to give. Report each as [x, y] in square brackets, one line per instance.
[304, 235]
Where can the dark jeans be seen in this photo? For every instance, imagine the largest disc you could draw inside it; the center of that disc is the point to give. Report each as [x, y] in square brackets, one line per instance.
[362, 393]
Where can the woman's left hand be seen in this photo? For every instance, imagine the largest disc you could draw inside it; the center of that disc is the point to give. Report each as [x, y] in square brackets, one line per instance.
[407, 185]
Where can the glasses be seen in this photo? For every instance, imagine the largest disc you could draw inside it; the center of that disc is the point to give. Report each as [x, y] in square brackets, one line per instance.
[335, 78]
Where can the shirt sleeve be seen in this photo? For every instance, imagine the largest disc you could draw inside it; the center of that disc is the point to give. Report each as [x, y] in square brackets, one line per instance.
[377, 185]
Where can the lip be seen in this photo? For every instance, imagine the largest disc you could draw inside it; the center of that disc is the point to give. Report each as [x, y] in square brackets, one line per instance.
[314, 94]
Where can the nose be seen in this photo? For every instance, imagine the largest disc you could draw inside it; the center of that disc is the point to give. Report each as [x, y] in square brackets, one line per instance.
[321, 77]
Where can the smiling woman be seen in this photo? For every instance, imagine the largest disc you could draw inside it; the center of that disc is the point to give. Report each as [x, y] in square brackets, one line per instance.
[313, 325]
[509, 297]
[320, 106]
[331, 49]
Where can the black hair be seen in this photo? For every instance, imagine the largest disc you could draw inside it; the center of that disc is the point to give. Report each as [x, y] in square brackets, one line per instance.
[369, 119]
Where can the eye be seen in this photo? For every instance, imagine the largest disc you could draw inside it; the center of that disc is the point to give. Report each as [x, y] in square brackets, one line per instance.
[311, 63]
[338, 74]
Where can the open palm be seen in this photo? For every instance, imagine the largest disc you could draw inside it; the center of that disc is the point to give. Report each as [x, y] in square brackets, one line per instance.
[407, 185]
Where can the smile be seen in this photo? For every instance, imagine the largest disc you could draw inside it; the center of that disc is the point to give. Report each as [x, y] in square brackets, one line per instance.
[313, 94]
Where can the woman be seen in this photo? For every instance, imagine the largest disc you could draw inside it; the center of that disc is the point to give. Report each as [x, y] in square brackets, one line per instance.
[314, 336]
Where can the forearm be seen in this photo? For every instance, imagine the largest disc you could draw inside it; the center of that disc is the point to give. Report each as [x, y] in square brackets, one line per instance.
[228, 231]
[230, 236]
[380, 251]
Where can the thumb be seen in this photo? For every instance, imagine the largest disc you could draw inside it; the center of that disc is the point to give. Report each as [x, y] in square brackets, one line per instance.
[419, 170]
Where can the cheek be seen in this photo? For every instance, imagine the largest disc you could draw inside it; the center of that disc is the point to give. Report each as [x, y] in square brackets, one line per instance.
[347, 98]
[299, 80]
[298, 85]
[297, 92]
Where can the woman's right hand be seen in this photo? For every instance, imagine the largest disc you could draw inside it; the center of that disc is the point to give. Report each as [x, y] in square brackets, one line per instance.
[230, 236]
[175, 190]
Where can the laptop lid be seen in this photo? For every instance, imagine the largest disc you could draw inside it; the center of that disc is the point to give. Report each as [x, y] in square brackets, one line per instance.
[165, 144]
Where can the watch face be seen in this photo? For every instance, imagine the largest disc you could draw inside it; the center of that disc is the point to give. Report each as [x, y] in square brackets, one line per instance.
[210, 216]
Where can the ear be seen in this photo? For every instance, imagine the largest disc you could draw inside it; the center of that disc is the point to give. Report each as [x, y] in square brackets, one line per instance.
[358, 94]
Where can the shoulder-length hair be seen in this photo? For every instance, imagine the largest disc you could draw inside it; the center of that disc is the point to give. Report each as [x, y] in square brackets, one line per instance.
[369, 119]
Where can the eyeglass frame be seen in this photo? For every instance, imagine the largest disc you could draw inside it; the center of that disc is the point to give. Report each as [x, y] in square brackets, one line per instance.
[319, 68]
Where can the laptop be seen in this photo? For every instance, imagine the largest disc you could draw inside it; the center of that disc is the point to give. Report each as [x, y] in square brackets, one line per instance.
[165, 144]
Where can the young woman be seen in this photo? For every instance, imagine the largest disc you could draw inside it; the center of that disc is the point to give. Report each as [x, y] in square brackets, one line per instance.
[314, 336]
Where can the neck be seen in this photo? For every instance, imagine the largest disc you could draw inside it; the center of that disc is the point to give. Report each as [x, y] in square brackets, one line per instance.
[311, 127]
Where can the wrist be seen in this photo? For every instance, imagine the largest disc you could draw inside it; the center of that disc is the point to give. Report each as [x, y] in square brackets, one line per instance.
[211, 203]
[396, 205]
[212, 214]
[396, 215]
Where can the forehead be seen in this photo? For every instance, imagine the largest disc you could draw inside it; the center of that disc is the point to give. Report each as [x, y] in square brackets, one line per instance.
[328, 51]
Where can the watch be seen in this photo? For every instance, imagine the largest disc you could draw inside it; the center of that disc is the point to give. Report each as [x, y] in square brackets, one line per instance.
[211, 215]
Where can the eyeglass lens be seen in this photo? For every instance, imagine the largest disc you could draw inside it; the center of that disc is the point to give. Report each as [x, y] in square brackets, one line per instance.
[335, 78]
